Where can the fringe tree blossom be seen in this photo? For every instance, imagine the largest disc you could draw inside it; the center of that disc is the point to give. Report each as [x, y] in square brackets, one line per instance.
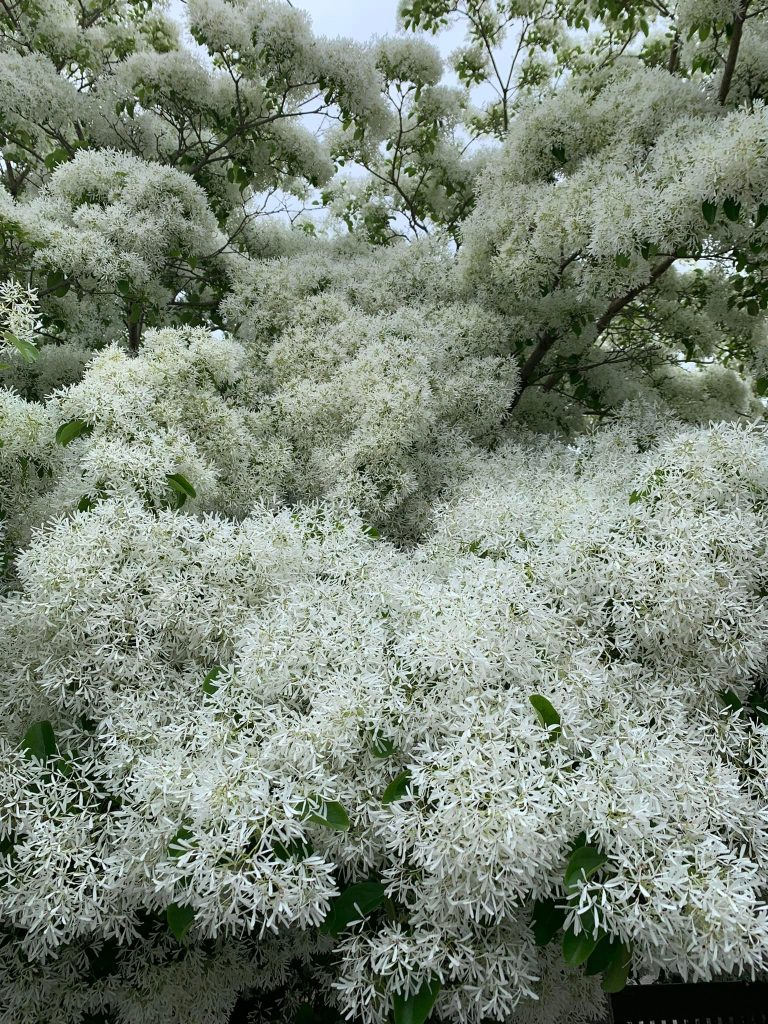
[383, 626]
[541, 576]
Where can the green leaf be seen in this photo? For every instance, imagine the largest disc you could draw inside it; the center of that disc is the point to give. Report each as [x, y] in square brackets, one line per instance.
[56, 157]
[58, 284]
[578, 948]
[382, 747]
[580, 840]
[710, 212]
[354, 903]
[74, 428]
[296, 849]
[546, 921]
[397, 788]
[26, 349]
[546, 714]
[179, 483]
[621, 259]
[124, 287]
[615, 976]
[583, 863]
[732, 209]
[183, 835]
[180, 919]
[416, 1009]
[636, 496]
[762, 213]
[603, 955]
[182, 488]
[209, 686]
[648, 250]
[328, 813]
[39, 741]
[730, 700]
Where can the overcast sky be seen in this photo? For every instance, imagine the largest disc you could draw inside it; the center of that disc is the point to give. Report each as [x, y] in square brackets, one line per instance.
[358, 19]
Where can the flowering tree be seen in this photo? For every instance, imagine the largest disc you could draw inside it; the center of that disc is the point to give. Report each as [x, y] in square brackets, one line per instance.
[383, 627]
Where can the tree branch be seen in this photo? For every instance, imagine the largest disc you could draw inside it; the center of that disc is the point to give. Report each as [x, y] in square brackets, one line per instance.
[550, 337]
[616, 306]
[733, 51]
[674, 55]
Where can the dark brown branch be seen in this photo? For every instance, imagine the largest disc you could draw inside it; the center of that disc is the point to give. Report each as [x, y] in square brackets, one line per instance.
[733, 51]
[674, 55]
[550, 337]
[616, 306]
[134, 335]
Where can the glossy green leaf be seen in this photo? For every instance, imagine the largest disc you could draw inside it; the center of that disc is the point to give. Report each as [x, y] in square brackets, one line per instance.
[732, 209]
[55, 157]
[180, 919]
[39, 741]
[583, 863]
[181, 485]
[57, 284]
[26, 349]
[328, 813]
[397, 788]
[578, 948]
[546, 921]
[546, 714]
[603, 955]
[354, 903]
[416, 1009]
[296, 849]
[209, 683]
[382, 747]
[74, 428]
[710, 212]
[180, 843]
[617, 973]
[580, 840]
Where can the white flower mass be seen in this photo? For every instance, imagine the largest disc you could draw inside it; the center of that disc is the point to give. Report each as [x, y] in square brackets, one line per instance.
[383, 623]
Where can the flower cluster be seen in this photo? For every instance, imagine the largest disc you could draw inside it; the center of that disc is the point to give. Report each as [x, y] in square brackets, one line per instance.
[383, 623]
[250, 717]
